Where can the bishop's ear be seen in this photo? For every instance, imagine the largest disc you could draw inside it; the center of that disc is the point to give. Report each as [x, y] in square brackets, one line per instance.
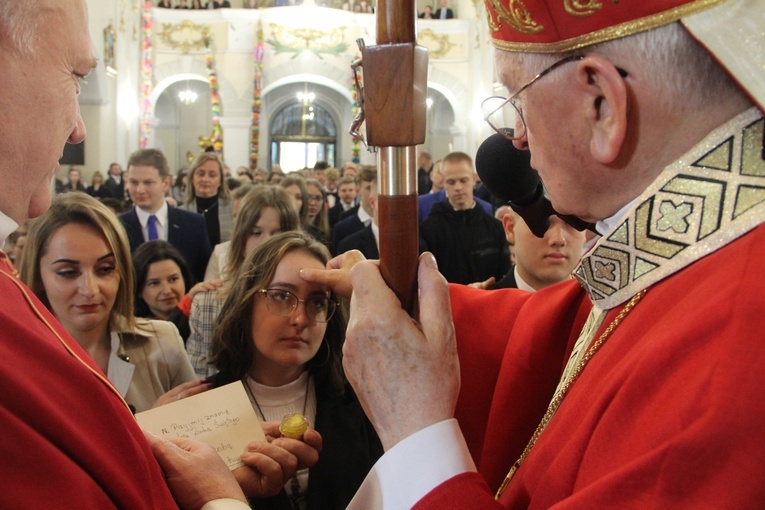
[605, 105]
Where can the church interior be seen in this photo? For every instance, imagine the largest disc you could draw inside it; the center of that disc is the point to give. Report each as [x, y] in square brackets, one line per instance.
[264, 86]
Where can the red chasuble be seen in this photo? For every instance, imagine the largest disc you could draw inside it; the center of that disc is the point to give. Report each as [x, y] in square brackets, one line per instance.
[669, 412]
[68, 440]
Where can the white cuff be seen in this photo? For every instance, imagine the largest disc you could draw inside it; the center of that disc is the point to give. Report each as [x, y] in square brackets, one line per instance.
[414, 467]
[225, 504]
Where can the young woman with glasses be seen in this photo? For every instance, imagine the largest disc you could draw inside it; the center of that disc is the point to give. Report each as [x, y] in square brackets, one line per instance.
[264, 212]
[282, 336]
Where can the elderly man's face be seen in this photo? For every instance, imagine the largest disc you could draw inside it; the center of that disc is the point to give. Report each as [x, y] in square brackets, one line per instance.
[40, 111]
[555, 133]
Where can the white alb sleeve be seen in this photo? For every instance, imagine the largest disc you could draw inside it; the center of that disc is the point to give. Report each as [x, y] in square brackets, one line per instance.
[414, 467]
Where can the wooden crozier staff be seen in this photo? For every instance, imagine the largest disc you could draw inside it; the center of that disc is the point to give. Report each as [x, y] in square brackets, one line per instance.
[393, 103]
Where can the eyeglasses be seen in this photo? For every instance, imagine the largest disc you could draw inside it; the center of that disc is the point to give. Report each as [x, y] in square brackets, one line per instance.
[499, 117]
[315, 198]
[283, 302]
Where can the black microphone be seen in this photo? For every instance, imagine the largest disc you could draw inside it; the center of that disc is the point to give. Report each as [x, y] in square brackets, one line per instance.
[507, 174]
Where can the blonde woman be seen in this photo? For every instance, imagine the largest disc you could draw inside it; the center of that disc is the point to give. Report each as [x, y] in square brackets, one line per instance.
[208, 195]
[78, 263]
[97, 189]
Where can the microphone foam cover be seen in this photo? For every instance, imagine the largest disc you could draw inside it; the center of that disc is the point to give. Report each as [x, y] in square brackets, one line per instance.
[505, 170]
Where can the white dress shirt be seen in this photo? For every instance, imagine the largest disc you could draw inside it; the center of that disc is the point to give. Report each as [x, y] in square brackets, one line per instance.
[162, 221]
[364, 216]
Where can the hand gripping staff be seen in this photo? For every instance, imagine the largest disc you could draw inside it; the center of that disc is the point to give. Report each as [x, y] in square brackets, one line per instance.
[392, 101]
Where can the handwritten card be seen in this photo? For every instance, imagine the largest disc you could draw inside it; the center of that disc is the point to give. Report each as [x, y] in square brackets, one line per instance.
[222, 417]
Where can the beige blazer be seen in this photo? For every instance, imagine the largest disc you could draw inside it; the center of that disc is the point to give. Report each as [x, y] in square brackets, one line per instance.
[147, 361]
[218, 261]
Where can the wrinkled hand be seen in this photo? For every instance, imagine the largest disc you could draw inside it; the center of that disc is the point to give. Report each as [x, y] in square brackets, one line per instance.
[337, 275]
[405, 374]
[268, 466]
[484, 284]
[181, 391]
[205, 287]
[195, 473]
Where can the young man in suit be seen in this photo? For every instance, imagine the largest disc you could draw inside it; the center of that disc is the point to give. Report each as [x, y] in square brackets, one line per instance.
[425, 162]
[468, 243]
[360, 216]
[114, 182]
[444, 12]
[148, 179]
[540, 262]
[537, 262]
[346, 198]
[366, 240]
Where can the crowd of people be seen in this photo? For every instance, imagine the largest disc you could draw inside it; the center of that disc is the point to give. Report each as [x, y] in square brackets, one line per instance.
[337, 206]
[360, 6]
[634, 384]
[206, 249]
[199, 4]
[163, 316]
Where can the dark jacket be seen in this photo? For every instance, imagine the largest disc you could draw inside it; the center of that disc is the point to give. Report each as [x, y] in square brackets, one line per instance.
[115, 190]
[469, 246]
[344, 228]
[350, 449]
[363, 240]
[449, 13]
[333, 215]
[101, 192]
[507, 282]
[186, 231]
[426, 202]
[424, 184]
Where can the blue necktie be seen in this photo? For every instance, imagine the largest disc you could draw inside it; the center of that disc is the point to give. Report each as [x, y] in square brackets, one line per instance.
[152, 228]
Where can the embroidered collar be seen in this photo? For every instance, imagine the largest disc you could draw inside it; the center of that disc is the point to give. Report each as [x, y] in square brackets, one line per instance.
[708, 198]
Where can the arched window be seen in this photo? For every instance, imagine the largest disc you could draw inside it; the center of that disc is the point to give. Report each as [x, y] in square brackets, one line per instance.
[303, 133]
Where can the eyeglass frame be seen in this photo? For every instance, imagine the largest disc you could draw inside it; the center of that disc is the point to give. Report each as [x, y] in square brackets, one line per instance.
[331, 301]
[509, 133]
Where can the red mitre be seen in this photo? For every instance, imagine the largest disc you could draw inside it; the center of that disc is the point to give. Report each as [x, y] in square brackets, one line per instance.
[556, 26]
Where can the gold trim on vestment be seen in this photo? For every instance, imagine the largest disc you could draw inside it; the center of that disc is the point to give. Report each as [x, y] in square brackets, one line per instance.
[711, 196]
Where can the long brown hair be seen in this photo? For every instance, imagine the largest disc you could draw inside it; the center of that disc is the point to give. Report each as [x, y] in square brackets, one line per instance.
[299, 181]
[253, 203]
[85, 210]
[320, 221]
[232, 351]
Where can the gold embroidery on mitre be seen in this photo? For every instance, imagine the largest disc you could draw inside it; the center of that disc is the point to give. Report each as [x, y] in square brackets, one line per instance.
[516, 15]
[700, 203]
[607, 33]
[582, 7]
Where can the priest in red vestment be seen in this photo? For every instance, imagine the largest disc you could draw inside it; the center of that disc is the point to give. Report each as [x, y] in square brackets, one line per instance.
[638, 384]
[68, 438]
